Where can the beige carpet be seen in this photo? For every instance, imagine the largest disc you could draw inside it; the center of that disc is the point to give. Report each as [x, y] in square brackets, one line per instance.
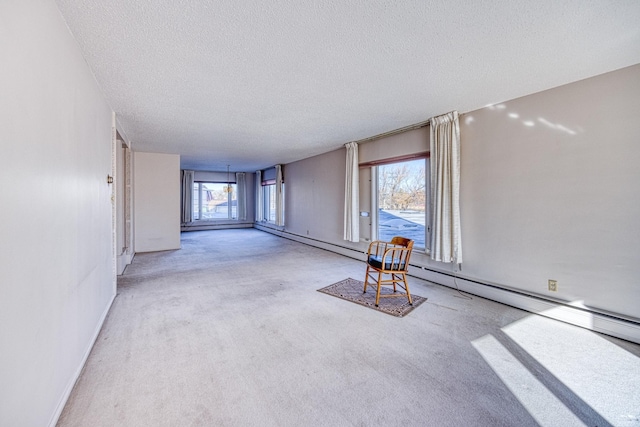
[351, 290]
[231, 331]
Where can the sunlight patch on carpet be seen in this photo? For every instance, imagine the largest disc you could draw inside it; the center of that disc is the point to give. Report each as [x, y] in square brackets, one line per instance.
[351, 290]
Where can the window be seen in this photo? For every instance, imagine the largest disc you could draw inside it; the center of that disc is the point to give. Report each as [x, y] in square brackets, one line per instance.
[402, 200]
[212, 201]
[269, 201]
[269, 197]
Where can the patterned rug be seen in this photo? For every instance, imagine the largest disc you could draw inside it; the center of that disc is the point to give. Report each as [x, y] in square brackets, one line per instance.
[351, 290]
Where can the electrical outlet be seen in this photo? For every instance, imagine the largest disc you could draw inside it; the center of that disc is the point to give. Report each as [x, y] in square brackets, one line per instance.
[553, 285]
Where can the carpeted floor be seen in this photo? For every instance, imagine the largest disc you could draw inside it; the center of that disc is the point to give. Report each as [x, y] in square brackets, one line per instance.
[231, 331]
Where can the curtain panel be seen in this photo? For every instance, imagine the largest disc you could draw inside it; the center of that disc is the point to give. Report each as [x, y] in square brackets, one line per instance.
[351, 196]
[446, 241]
[279, 197]
[187, 196]
[242, 196]
[259, 198]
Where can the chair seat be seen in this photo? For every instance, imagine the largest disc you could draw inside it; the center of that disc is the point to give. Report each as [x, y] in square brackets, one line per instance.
[375, 261]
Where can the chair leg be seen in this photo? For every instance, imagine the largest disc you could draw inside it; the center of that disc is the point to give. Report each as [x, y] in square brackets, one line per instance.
[366, 280]
[378, 290]
[406, 288]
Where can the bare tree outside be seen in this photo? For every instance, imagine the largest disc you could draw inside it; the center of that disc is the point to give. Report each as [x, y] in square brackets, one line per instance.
[402, 200]
[401, 188]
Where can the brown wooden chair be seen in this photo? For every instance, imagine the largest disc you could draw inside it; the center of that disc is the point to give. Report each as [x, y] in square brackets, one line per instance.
[389, 259]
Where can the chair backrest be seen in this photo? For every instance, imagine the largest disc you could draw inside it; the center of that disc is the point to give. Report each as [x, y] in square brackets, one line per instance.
[402, 241]
[393, 255]
[399, 256]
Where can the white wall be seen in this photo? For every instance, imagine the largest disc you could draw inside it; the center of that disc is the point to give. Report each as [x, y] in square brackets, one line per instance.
[315, 189]
[412, 142]
[556, 200]
[555, 192]
[314, 199]
[57, 275]
[156, 193]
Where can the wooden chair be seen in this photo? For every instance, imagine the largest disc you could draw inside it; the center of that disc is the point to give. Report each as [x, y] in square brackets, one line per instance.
[389, 259]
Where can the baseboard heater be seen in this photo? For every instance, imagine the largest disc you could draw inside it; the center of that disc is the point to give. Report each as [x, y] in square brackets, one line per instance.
[598, 321]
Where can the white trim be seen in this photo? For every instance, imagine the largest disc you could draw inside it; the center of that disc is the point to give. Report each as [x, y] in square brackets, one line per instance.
[124, 260]
[69, 388]
[114, 194]
[122, 133]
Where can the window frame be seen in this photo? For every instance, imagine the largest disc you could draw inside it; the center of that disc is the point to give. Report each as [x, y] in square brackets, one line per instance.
[375, 179]
[269, 201]
[231, 197]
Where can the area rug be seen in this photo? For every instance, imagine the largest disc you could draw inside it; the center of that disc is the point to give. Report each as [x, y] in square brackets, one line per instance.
[351, 290]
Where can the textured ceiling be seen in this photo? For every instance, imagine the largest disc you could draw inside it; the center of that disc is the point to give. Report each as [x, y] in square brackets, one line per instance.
[254, 83]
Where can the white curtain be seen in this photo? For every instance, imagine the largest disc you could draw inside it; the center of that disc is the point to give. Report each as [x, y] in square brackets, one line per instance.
[446, 242]
[351, 196]
[242, 196]
[279, 197]
[187, 196]
[259, 197]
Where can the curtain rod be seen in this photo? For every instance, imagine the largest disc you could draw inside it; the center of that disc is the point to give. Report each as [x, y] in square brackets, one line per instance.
[395, 132]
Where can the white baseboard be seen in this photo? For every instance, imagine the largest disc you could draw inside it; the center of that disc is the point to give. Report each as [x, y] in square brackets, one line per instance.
[202, 227]
[342, 250]
[72, 382]
[607, 323]
[122, 261]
